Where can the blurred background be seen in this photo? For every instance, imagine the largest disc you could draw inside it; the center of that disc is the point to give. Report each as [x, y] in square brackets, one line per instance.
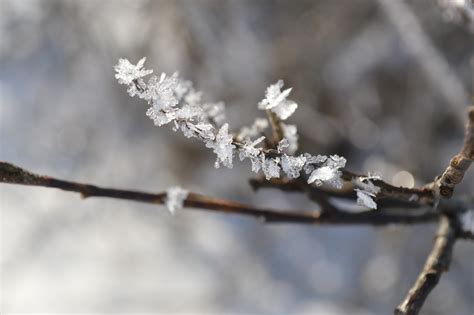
[383, 83]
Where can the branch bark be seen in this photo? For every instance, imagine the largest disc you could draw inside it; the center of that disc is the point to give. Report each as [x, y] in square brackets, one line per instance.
[438, 262]
[460, 163]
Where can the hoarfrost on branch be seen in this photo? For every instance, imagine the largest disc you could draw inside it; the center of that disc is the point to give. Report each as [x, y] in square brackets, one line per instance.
[366, 191]
[175, 197]
[276, 101]
[174, 100]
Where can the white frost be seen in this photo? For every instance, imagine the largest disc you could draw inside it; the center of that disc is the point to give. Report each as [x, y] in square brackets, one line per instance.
[292, 165]
[365, 198]
[249, 150]
[270, 167]
[283, 145]
[253, 153]
[223, 147]
[325, 174]
[127, 72]
[215, 112]
[328, 172]
[366, 191]
[275, 100]
[256, 129]
[175, 197]
[290, 132]
[160, 92]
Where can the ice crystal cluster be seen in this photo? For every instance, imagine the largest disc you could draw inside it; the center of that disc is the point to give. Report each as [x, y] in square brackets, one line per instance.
[175, 197]
[175, 101]
[276, 101]
[366, 191]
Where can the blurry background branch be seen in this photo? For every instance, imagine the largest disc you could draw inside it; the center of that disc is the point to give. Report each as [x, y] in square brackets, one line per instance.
[436, 69]
[436, 264]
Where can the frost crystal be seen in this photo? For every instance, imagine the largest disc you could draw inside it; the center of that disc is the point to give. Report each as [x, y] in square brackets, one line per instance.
[328, 172]
[275, 100]
[204, 130]
[365, 183]
[292, 165]
[182, 88]
[160, 92]
[159, 117]
[270, 167]
[257, 128]
[254, 154]
[290, 132]
[249, 149]
[223, 147]
[313, 161]
[366, 191]
[365, 198]
[215, 112]
[193, 97]
[175, 197]
[189, 112]
[336, 161]
[127, 72]
[282, 145]
[325, 174]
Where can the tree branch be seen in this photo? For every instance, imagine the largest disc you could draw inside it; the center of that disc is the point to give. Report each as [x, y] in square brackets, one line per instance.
[415, 196]
[438, 262]
[389, 195]
[277, 129]
[13, 174]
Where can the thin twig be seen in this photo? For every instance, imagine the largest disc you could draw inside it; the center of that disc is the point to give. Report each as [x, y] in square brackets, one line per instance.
[277, 128]
[13, 174]
[460, 163]
[438, 262]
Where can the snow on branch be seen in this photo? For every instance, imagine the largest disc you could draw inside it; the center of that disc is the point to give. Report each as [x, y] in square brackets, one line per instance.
[175, 197]
[276, 101]
[366, 191]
